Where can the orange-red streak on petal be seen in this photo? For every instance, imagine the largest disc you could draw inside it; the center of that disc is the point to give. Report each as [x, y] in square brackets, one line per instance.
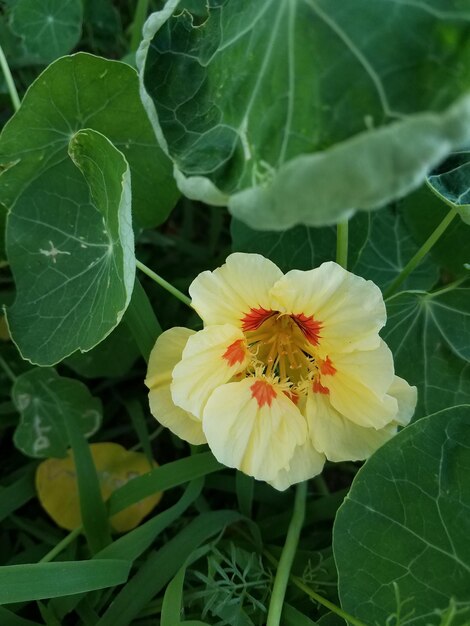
[292, 396]
[319, 388]
[327, 368]
[235, 353]
[309, 326]
[254, 319]
[263, 393]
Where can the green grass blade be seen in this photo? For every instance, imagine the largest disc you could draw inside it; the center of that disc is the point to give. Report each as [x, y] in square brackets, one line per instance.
[92, 508]
[142, 321]
[172, 600]
[162, 565]
[137, 415]
[244, 487]
[7, 618]
[19, 583]
[163, 478]
[17, 494]
[134, 543]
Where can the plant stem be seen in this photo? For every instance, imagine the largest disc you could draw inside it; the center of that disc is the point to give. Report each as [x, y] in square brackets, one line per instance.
[321, 600]
[342, 244]
[9, 81]
[287, 557]
[7, 369]
[418, 257]
[67, 540]
[163, 283]
[140, 16]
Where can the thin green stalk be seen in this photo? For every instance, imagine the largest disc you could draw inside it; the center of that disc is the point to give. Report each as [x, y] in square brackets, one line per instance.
[140, 16]
[342, 244]
[321, 600]
[287, 557]
[7, 369]
[163, 283]
[9, 81]
[418, 257]
[66, 541]
[298, 582]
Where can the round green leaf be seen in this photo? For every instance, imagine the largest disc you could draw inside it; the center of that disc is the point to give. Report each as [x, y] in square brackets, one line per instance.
[388, 249]
[286, 140]
[72, 256]
[85, 91]
[45, 400]
[423, 211]
[401, 537]
[452, 183]
[428, 335]
[49, 28]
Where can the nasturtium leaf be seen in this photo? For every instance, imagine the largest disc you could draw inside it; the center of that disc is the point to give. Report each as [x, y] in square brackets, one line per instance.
[428, 335]
[72, 255]
[423, 211]
[45, 400]
[49, 28]
[336, 148]
[452, 183]
[300, 247]
[56, 483]
[77, 92]
[388, 249]
[111, 358]
[401, 536]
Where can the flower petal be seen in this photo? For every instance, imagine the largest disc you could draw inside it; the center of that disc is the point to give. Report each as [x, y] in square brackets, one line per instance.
[406, 397]
[358, 389]
[231, 292]
[337, 437]
[306, 462]
[163, 358]
[372, 368]
[253, 430]
[351, 310]
[211, 358]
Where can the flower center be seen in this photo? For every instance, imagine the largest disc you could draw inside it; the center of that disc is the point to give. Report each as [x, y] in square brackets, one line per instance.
[284, 345]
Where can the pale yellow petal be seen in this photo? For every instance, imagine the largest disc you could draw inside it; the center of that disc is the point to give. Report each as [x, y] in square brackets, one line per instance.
[182, 423]
[370, 368]
[229, 293]
[350, 309]
[306, 462]
[210, 358]
[337, 437]
[165, 355]
[406, 397]
[255, 432]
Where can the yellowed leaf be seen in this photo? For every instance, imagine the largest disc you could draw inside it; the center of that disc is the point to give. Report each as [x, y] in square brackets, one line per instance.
[56, 484]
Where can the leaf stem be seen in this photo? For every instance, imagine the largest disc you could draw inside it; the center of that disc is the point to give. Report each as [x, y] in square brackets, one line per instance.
[7, 369]
[321, 600]
[287, 557]
[9, 80]
[140, 16]
[299, 583]
[67, 540]
[163, 283]
[342, 244]
[418, 257]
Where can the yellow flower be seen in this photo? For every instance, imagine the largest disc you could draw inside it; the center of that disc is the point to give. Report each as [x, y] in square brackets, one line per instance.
[288, 370]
